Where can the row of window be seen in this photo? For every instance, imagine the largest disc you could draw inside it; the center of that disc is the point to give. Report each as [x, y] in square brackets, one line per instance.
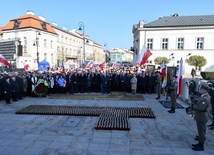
[65, 40]
[37, 42]
[180, 43]
[67, 51]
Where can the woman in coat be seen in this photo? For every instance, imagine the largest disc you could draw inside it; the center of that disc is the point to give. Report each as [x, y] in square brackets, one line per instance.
[134, 84]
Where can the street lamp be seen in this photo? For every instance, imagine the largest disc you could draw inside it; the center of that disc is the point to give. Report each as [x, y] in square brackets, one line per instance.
[171, 56]
[37, 44]
[82, 28]
[187, 57]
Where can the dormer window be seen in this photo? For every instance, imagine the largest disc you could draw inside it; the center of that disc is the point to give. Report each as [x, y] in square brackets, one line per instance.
[16, 24]
[43, 24]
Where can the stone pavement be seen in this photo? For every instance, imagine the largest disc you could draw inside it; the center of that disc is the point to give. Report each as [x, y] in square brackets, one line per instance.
[168, 134]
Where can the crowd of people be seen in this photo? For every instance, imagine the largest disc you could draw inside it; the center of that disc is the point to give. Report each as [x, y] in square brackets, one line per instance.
[17, 85]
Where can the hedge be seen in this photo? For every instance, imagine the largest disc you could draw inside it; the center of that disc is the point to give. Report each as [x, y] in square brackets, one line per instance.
[207, 75]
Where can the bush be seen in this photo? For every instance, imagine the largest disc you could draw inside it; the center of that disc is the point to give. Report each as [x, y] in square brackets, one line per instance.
[207, 75]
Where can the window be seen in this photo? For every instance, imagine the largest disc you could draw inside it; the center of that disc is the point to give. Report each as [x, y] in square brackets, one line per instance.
[45, 43]
[180, 43]
[165, 44]
[51, 43]
[150, 44]
[62, 39]
[58, 38]
[25, 41]
[200, 43]
[45, 56]
[52, 59]
[66, 39]
[70, 42]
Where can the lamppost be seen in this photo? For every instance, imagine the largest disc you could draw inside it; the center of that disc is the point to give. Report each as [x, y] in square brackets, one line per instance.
[106, 52]
[37, 45]
[82, 28]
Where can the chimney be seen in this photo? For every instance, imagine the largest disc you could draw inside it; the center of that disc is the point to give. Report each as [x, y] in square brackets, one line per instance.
[30, 12]
[42, 18]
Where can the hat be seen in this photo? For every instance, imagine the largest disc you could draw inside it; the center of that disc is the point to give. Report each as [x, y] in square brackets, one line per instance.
[205, 87]
[174, 76]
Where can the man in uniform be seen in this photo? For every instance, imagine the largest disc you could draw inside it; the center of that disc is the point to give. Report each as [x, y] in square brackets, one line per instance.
[201, 117]
[173, 93]
[158, 84]
[211, 93]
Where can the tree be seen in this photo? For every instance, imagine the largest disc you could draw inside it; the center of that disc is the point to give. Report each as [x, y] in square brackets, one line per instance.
[197, 61]
[159, 60]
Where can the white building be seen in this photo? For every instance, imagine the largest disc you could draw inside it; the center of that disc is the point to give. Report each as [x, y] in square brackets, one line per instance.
[176, 37]
[51, 43]
[37, 37]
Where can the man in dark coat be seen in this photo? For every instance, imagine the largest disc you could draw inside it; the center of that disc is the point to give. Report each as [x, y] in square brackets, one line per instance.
[21, 86]
[2, 80]
[104, 84]
[117, 82]
[96, 82]
[150, 83]
[75, 80]
[123, 82]
[83, 82]
[7, 89]
[144, 83]
[15, 88]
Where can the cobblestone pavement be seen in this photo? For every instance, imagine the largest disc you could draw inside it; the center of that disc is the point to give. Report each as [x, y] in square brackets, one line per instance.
[22, 134]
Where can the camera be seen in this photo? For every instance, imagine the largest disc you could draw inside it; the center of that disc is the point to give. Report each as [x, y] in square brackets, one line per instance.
[193, 99]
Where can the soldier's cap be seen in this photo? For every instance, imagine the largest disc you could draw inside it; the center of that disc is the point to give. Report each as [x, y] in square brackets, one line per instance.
[205, 87]
[174, 76]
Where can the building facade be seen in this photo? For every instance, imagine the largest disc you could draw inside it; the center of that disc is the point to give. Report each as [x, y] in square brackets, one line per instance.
[37, 38]
[43, 41]
[176, 37]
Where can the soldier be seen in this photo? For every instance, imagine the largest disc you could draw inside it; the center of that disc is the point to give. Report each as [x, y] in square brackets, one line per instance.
[173, 93]
[201, 117]
[158, 84]
[211, 93]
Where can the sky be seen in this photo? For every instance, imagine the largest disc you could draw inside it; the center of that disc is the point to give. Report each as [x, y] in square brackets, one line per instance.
[106, 22]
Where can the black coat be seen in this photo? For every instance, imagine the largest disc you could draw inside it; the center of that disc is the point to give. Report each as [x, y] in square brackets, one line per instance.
[15, 86]
[7, 89]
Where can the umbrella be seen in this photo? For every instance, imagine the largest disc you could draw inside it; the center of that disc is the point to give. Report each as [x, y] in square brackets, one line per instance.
[4, 61]
[26, 66]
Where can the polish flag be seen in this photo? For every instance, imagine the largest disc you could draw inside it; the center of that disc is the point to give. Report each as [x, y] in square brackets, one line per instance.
[4, 61]
[143, 57]
[179, 79]
[163, 69]
[102, 65]
[63, 68]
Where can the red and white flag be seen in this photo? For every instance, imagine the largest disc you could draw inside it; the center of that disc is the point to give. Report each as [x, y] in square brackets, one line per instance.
[102, 65]
[143, 56]
[4, 61]
[163, 69]
[179, 79]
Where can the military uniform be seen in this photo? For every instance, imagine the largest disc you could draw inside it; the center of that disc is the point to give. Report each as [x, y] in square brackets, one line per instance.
[173, 93]
[158, 84]
[201, 117]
